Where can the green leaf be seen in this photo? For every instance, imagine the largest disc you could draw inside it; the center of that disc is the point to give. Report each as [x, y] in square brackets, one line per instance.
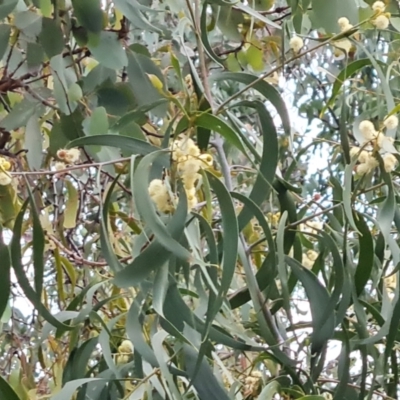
[230, 231]
[63, 78]
[347, 194]
[255, 58]
[20, 114]
[228, 21]
[344, 368]
[6, 391]
[71, 206]
[204, 380]
[344, 74]
[248, 10]
[156, 254]
[135, 332]
[78, 360]
[116, 99]
[97, 76]
[365, 255]
[216, 124]
[387, 211]
[131, 9]
[5, 288]
[144, 91]
[6, 7]
[326, 14]
[204, 36]
[71, 125]
[29, 22]
[323, 319]
[147, 210]
[178, 314]
[89, 14]
[383, 83]
[270, 390]
[98, 122]
[264, 88]
[67, 392]
[5, 31]
[133, 145]
[269, 160]
[263, 275]
[33, 142]
[51, 37]
[16, 259]
[38, 246]
[34, 55]
[109, 51]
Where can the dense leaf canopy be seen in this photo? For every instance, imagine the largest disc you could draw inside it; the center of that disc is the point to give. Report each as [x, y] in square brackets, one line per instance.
[199, 199]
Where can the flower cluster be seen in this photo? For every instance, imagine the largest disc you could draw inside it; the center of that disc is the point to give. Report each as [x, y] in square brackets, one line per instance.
[273, 219]
[380, 142]
[5, 178]
[125, 350]
[343, 45]
[309, 258]
[312, 227]
[344, 24]
[159, 193]
[381, 20]
[189, 161]
[69, 156]
[296, 43]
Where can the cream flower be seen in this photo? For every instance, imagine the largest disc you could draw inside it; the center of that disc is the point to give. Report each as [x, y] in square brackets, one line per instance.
[69, 156]
[344, 24]
[379, 6]
[189, 167]
[5, 165]
[59, 166]
[389, 162]
[368, 166]
[156, 186]
[192, 201]
[342, 45]
[367, 129]
[296, 43]
[381, 21]
[364, 156]
[391, 122]
[207, 159]
[354, 151]
[126, 347]
[184, 147]
[160, 196]
[5, 179]
[385, 142]
[308, 258]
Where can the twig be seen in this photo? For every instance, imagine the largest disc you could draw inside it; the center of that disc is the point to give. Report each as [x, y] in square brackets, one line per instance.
[71, 168]
[325, 210]
[280, 66]
[377, 393]
[78, 259]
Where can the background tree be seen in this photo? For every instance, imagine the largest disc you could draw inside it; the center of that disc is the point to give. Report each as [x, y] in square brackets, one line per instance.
[198, 199]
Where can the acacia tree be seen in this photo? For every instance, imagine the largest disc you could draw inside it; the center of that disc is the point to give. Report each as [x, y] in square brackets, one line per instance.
[198, 199]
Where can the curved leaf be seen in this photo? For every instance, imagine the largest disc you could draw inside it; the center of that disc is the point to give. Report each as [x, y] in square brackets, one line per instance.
[264, 88]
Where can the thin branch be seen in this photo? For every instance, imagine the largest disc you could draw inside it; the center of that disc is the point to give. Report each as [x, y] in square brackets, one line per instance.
[302, 221]
[71, 168]
[375, 392]
[78, 258]
[280, 66]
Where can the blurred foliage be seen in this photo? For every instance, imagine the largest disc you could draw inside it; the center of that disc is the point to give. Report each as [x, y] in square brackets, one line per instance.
[199, 199]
